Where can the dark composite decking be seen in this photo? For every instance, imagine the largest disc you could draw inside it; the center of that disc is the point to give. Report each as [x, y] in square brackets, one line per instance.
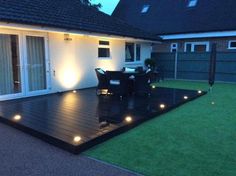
[58, 118]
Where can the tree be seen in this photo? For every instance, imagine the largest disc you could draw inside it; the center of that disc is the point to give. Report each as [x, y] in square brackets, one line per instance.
[88, 3]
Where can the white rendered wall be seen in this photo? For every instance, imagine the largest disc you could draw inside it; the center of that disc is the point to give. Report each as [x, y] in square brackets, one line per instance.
[73, 62]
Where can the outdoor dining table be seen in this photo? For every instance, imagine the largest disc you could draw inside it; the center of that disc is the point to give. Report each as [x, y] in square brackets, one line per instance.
[130, 81]
[128, 74]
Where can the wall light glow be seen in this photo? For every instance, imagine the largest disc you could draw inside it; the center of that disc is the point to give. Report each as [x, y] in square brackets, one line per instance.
[199, 91]
[69, 79]
[68, 74]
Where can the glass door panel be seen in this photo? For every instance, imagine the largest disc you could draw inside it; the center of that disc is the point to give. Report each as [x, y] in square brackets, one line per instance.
[10, 69]
[36, 63]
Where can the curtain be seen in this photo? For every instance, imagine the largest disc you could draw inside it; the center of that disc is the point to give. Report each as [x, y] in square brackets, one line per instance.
[36, 63]
[6, 72]
[129, 52]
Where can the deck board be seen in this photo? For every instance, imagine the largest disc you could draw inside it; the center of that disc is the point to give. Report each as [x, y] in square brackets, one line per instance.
[58, 118]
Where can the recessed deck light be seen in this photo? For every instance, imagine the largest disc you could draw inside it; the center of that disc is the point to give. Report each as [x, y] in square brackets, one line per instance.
[199, 91]
[185, 97]
[74, 91]
[77, 139]
[128, 119]
[153, 87]
[17, 117]
[162, 106]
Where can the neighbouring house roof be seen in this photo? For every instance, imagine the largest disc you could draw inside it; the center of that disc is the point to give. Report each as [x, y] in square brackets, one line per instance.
[175, 17]
[69, 15]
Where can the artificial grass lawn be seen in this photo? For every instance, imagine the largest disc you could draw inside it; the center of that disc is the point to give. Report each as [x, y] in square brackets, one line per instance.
[196, 139]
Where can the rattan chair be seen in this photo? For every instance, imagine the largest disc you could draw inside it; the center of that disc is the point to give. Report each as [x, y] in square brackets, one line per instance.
[102, 80]
[142, 84]
[117, 83]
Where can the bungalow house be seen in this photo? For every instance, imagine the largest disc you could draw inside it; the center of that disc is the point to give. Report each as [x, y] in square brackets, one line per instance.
[53, 46]
[188, 27]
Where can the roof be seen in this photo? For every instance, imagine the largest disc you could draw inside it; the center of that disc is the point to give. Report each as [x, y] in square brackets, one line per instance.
[69, 15]
[174, 17]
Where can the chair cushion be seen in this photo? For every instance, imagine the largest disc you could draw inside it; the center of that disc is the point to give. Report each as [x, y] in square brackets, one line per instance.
[148, 70]
[101, 71]
[129, 70]
[115, 82]
[132, 77]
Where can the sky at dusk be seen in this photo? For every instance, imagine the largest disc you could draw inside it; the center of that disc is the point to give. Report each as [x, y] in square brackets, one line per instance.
[108, 5]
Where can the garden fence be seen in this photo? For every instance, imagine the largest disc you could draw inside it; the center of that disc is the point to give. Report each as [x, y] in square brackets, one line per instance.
[195, 66]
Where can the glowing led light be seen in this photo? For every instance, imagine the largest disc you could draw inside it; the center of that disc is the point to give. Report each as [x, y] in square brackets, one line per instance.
[17, 117]
[153, 87]
[104, 91]
[162, 106]
[74, 91]
[213, 103]
[199, 91]
[185, 97]
[77, 139]
[128, 119]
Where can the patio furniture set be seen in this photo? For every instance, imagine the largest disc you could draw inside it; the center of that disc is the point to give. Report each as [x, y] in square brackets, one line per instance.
[128, 81]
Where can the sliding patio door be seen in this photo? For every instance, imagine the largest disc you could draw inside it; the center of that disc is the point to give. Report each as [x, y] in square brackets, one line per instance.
[24, 65]
[10, 66]
[36, 64]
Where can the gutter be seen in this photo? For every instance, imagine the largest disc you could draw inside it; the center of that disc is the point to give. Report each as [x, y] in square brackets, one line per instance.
[41, 28]
[199, 35]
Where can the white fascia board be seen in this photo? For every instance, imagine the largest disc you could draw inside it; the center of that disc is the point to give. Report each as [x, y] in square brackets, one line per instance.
[73, 32]
[199, 35]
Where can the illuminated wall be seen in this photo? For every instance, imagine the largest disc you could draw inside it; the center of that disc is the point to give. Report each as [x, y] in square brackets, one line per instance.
[73, 62]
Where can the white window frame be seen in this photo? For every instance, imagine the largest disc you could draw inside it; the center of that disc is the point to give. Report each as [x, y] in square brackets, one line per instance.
[104, 46]
[135, 50]
[193, 44]
[145, 8]
[135, 53]
[229, 43]
[172, 47]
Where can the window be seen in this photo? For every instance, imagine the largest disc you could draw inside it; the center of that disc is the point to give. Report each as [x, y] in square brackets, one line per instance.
[138, 52]
[132, 52]
[10, 68]
[103, 52]
[200, 48]
[188, 47]
[145, 8]
[104, 49]
[232, 44]
[173, 47]
[196, 47]
[192, 3]
[129, 52]
[104, 43]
